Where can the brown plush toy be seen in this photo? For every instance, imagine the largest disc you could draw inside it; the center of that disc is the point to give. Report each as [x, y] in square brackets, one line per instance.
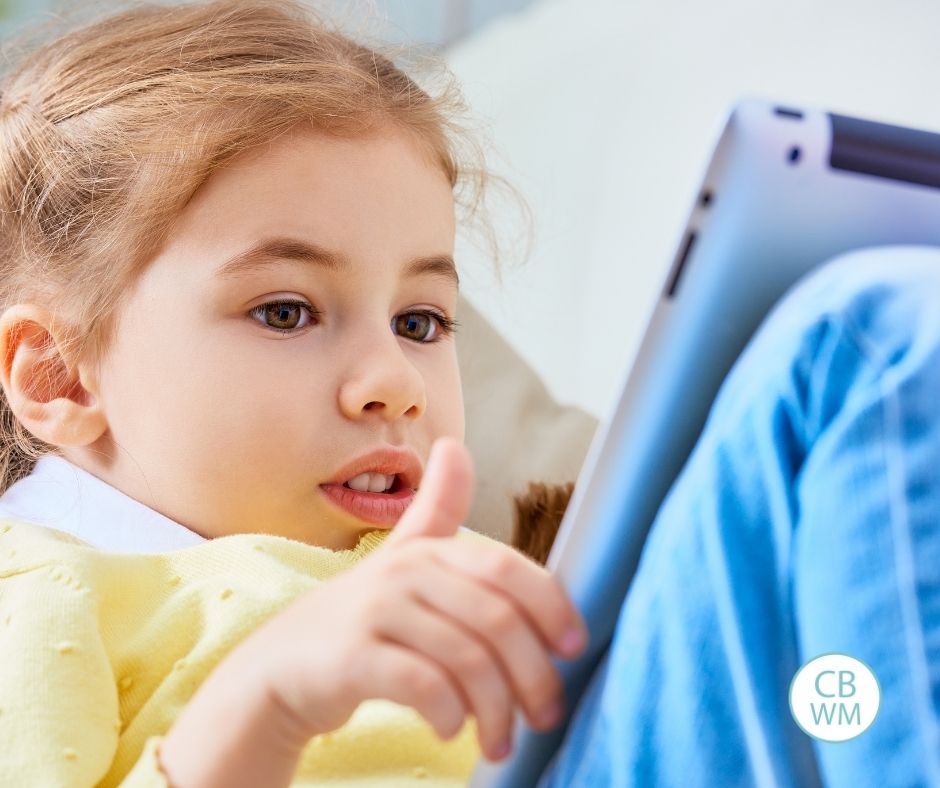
[539, 512]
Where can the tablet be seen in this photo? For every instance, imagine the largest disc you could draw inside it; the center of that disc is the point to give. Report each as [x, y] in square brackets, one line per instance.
[786, 189]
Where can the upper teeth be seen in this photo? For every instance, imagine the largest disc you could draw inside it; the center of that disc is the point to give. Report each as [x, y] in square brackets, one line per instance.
[371, 482]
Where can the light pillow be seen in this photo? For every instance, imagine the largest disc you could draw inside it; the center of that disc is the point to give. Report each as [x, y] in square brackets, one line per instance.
[515, 431]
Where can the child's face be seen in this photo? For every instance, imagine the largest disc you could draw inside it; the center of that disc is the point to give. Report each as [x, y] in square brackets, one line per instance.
[226, 425]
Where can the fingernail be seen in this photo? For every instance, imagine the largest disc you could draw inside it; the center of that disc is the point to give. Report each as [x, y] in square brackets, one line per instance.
[502, 750]
[571, 642]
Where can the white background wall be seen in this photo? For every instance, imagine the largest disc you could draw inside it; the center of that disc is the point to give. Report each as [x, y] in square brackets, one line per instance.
[603, 113]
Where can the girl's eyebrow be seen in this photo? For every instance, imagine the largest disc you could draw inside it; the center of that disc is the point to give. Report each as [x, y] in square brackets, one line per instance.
[270, 251]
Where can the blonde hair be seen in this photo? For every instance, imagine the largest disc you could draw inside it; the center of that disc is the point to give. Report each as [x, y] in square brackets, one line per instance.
[107, 130]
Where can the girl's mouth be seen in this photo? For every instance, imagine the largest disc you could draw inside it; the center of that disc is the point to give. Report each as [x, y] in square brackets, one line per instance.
[377, 508]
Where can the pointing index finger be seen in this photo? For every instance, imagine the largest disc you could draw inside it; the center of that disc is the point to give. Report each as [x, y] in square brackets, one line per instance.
[443, 499]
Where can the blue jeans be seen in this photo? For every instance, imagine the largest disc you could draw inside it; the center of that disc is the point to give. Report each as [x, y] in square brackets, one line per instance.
[806, 521]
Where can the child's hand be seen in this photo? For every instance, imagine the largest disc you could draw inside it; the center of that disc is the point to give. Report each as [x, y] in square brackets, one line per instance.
[450, 627]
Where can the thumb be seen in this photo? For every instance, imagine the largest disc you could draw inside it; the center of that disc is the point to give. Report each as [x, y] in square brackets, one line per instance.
[443, 498]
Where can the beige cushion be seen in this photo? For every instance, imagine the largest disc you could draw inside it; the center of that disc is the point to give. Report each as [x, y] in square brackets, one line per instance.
[515, 431]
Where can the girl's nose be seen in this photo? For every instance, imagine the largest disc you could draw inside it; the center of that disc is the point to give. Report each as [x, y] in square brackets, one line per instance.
[383, 381]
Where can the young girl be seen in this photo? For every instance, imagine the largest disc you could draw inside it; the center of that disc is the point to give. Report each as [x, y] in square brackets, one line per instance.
[212, 216]
[228, 303]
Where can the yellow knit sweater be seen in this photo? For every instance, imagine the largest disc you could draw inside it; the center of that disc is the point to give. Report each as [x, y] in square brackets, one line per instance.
[99, 652]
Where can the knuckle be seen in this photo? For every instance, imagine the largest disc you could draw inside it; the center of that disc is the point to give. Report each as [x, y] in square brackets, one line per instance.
[500, 618]
[419, 547]
[397, 562]
[439, 704]
[499, 565]
[475, 663]
[428, 687]
[399, 673]
[372, 612]
[541, 685]
[450, 723]
[559, 613]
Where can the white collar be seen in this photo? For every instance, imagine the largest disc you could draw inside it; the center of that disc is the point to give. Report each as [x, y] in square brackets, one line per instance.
[58, 494]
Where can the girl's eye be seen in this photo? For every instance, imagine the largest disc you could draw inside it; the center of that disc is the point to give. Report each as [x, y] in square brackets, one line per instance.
[284, 315]
[425, 326]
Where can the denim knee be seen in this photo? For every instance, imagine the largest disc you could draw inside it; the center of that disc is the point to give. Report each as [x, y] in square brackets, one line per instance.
[856, 318]
[887, 298]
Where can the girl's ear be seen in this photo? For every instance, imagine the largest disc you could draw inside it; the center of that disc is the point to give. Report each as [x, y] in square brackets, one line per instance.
[55, 403]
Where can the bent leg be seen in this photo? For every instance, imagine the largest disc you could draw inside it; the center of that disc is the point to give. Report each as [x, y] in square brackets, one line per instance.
[806, 521]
